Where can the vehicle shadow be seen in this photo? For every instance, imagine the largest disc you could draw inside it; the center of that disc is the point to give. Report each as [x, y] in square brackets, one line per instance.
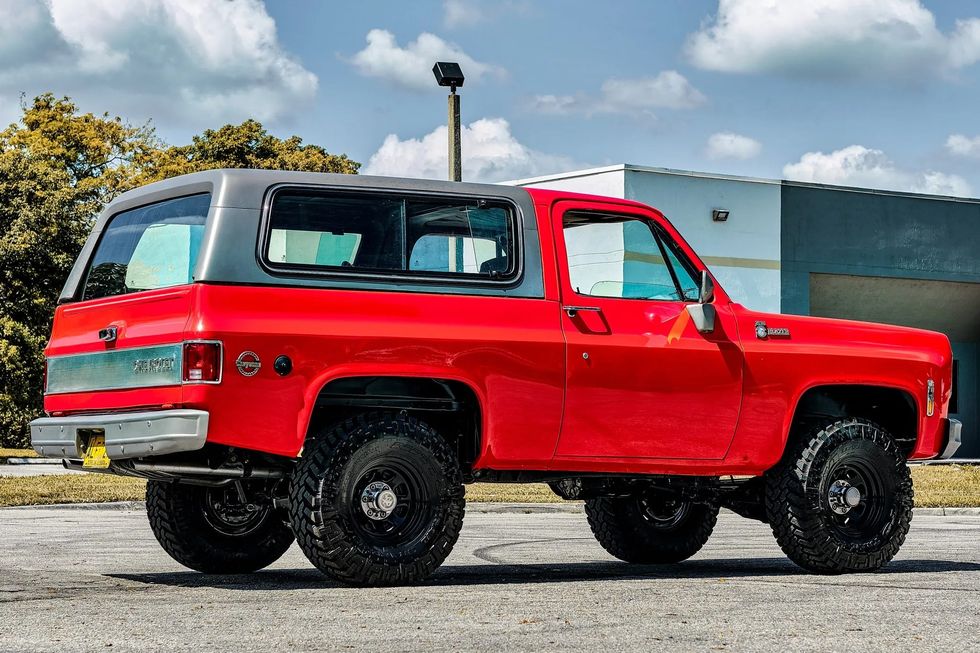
[571, 572]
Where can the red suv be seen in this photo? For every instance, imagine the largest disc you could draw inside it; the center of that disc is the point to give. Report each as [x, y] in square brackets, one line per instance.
[333, 358]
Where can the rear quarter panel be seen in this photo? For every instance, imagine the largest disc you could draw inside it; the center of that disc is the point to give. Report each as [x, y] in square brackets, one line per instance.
[507, 349]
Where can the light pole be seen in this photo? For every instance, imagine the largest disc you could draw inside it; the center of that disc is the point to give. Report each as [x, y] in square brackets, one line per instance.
[449, 74]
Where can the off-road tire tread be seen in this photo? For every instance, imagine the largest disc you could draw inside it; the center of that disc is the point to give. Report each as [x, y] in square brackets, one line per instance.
[326, 543]
[195, 546]
[797, 528]
[626, 537]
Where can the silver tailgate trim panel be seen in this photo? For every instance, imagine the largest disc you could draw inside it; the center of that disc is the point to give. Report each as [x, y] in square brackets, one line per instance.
[116, 369]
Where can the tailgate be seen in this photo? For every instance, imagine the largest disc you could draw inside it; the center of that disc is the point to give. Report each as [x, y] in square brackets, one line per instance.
[119, 346]
[140, 367]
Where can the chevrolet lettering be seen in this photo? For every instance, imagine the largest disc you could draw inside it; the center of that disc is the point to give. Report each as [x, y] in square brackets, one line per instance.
[423, 335]
[153, 365]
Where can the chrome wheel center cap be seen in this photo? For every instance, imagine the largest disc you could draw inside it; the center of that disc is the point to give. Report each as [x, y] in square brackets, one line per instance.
[378, 500]
[842, 497]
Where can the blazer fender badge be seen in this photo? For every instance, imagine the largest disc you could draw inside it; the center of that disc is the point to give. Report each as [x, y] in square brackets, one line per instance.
[762, 331]
[248, 363]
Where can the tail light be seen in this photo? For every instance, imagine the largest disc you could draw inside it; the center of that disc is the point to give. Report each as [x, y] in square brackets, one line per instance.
[45, 378]
[202, 362]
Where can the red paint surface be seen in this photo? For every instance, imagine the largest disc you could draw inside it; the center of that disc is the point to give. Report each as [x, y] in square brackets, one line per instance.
[654, 396]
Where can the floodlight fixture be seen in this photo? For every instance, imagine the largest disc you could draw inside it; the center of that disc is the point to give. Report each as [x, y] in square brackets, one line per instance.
[448, 73]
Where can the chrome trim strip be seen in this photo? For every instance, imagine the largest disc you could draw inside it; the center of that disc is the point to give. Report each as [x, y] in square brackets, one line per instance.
[393, 276]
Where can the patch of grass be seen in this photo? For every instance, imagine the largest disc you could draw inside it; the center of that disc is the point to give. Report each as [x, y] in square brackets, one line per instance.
[17, 453]
[511, 493]
[947, 486]
[69, 488]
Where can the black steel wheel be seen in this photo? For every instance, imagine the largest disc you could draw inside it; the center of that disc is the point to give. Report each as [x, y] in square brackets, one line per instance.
[841, 500]
[232, 529]
[377, 500]
[651, 528]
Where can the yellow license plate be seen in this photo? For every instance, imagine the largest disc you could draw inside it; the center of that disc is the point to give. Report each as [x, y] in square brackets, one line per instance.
[95, 455]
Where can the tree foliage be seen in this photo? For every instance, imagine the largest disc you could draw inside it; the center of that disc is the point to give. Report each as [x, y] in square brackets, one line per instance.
[58, 168]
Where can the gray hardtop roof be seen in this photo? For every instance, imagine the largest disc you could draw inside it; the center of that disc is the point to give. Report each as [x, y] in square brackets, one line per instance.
[236, 203]
[245, 188]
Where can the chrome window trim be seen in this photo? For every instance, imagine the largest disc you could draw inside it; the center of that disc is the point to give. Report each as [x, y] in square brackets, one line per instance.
[394, 276]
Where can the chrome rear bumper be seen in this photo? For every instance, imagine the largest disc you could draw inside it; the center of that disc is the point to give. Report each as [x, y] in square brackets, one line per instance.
[127, 435]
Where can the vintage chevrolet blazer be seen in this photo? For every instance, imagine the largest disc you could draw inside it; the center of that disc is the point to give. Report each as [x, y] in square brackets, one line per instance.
[332, 358]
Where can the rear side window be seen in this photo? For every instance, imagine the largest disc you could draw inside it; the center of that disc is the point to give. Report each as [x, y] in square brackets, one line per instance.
[387, 234]
[154, 246]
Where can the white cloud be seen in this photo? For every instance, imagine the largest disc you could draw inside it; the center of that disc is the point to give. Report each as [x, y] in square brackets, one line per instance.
[462, 13]
[470, 13]
[961, 145]
[490, 153]
[209, 59]
[669, 90]
[557, 104]
[411, 66]
[832, 38]
[639, 96]
[726, 145]
[857, 165]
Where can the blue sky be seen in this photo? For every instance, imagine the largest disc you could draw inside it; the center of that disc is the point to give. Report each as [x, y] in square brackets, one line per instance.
[879, 93]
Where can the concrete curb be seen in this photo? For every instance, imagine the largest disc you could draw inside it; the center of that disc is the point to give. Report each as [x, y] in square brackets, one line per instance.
[108, 505]
[568, 508]
[948, 512]
[30, 461]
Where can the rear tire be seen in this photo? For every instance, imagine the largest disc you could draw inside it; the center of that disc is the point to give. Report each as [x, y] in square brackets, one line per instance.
[841, 501]
[210, 530]
[650, 528]
[377, 500]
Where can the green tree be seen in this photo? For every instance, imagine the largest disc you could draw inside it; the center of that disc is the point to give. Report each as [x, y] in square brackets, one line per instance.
[247, 145]
[58, 168]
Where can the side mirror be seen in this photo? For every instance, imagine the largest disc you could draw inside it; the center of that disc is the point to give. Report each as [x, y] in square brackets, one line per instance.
[703, 313]
[707, 293]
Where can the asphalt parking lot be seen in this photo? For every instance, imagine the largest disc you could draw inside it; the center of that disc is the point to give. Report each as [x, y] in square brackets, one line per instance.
[91, 579]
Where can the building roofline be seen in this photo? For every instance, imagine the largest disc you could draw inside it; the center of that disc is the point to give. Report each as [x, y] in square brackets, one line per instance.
[706, 175]
[571, 174]
[881, 191]
[629, 167]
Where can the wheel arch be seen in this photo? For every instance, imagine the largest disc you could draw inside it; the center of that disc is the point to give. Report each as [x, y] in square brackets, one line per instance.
[893, 408]
[451, 405]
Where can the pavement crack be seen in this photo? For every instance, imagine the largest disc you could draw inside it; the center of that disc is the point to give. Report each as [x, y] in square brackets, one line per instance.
[483, 553]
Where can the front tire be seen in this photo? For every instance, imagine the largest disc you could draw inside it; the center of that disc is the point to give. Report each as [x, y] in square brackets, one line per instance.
[212, 530]
[842, 500]
[650, 528]
[377, 500]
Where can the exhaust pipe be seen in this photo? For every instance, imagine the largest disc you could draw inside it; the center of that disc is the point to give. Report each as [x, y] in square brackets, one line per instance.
[178, 470]
[202, 470]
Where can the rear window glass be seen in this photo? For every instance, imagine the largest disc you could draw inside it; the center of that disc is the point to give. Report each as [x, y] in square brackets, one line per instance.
[154, 246]
[382, 233]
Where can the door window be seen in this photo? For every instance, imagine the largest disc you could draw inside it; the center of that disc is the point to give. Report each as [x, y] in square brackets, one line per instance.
[625, 258]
